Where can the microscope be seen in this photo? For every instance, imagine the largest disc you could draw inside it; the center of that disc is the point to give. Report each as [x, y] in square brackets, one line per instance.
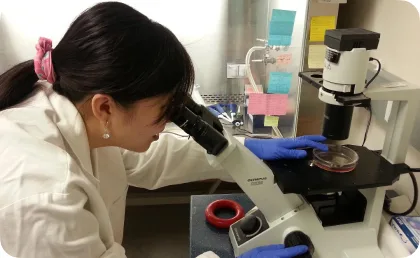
[334, 214]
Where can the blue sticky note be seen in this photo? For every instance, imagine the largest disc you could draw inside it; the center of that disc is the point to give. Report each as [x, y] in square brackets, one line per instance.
[283, 15]
[279, 40]
[282, 22]
[280, 28]
[279, 82]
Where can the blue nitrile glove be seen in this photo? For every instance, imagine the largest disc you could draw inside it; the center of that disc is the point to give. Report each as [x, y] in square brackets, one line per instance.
[285, 148]
[214, 112]
[275, 251]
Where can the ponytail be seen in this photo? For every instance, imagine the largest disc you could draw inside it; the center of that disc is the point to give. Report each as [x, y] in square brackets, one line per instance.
[17, 84]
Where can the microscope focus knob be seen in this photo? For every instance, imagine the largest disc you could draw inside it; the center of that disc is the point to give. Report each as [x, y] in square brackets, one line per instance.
[251, 225]
[299, 238]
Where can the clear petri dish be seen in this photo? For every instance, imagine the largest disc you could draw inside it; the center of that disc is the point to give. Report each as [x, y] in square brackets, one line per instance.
[338, 158]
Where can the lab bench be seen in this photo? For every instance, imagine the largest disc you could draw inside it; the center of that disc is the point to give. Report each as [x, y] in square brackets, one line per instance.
[203, 236]
[178, 194]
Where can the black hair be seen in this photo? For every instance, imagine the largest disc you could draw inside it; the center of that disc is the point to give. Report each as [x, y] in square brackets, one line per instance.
[111, 49]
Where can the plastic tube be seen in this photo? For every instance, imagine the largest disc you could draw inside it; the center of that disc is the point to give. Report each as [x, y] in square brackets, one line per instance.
[248, 66]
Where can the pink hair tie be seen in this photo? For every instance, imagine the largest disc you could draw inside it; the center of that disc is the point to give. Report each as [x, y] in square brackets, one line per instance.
[43, 62]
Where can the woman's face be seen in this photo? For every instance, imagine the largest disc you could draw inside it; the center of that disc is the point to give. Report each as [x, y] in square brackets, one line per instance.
[135, 129]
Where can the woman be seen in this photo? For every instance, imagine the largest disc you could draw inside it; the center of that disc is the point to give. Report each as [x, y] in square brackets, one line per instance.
[70, 146]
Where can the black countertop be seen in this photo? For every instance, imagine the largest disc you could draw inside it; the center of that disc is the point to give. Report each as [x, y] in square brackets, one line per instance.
[203, 236]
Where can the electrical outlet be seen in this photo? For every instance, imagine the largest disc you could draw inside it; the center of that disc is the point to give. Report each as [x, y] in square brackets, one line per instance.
[242, 70]
[232, 71]
[235, 71]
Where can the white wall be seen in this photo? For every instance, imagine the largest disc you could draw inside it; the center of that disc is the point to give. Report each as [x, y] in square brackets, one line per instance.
[399, 51]
[197, 23]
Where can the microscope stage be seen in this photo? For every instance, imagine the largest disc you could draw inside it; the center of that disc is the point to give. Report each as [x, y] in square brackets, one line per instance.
[301, 177]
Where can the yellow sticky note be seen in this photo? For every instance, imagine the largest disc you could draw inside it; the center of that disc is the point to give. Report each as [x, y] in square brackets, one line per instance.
[319, 24]
[271, 121]
[316, 56]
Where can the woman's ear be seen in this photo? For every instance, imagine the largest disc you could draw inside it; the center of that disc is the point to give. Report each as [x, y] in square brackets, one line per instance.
[103, 106]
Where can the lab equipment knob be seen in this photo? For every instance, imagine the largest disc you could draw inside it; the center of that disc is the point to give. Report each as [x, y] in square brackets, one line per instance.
[299, 238]
[251, 225]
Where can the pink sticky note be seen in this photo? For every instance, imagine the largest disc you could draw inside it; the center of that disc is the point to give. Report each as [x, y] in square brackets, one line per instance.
[277, 104]
[249, 89]
[267, 104]
[284, 59]
[257, 104]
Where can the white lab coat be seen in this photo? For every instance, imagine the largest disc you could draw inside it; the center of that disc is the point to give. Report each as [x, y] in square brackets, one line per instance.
[60, 199]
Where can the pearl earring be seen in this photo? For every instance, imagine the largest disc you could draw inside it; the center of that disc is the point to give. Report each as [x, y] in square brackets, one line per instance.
[106, 134]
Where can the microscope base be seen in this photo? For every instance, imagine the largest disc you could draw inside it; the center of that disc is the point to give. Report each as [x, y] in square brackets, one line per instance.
[352, 240]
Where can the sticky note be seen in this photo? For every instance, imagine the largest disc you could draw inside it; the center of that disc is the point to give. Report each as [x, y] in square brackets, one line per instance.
[249, 89]
[319, 24]
[316, 56]
[284, 59]
[271, 121]
[279, 82]
[281, 27]
[257, 104]
[267, 104]
[279, 40]
[276, 104]
[283, 15]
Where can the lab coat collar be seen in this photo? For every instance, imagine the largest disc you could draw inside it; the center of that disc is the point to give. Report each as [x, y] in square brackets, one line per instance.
[72, 127]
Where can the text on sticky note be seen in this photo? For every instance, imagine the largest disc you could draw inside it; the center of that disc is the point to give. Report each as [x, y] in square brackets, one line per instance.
[271, 121]
[257, 104]
[319, 24]
[276, 104]
[279, 40]
[267, 104]
[280, 29]
[284, 59]
[279, 82]
[316, 56]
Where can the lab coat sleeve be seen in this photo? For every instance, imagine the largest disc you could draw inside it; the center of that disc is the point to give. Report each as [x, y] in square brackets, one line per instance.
[170, 160]
[53, 225]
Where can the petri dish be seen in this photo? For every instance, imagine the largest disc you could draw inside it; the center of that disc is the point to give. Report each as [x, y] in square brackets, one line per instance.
[338, 158]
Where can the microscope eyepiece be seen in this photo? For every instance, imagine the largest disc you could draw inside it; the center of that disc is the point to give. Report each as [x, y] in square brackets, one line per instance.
[200, 124]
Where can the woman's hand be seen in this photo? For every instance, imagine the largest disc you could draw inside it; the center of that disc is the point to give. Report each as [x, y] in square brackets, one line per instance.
[275, 251]
[285, 148]
[269, 251]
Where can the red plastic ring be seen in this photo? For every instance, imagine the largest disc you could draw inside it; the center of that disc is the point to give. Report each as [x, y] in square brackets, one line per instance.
[223, 223]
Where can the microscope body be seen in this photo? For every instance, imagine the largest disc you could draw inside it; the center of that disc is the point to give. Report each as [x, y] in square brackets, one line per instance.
[279, 217]
[292, 218]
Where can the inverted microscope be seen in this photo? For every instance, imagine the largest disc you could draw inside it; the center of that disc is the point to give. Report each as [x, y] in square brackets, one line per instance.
[297, 202]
